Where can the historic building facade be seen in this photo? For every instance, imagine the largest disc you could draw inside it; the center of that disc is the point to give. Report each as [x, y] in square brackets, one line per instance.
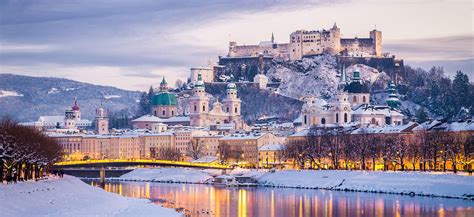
[222, 113]
[351, 106]
[306, 43]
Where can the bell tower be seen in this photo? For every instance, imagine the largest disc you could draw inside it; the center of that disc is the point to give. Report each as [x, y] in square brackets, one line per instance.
[199, 104]
[231, 102]
[101, 121]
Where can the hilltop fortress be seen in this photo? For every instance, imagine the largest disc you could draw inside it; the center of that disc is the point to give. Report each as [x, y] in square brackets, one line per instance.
[307, 43]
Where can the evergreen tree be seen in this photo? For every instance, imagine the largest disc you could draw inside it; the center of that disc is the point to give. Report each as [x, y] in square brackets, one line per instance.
[144, 104]
[421, 115]
[461, 94]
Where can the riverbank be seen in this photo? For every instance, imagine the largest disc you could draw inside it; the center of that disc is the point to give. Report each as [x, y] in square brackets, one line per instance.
[408, 183]
[70, 196]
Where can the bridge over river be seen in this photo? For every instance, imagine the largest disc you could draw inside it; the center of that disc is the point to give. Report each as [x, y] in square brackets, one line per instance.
[118, 167]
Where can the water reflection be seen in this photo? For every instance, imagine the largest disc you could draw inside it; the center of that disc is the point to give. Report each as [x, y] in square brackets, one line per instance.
[207, 200]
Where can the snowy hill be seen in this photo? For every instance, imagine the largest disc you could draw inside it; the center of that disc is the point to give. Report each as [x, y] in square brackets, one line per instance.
[25, 98]
[318, 76]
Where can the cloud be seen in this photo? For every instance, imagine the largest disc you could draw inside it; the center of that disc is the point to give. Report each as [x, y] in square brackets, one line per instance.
[138, 40]
[460, 47]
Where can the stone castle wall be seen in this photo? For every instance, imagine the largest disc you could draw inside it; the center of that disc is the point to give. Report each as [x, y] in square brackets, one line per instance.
[308, 43]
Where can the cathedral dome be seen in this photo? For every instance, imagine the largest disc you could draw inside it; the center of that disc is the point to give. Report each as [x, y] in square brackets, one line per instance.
[75, 107]
[231, 86]
[164, 99]
[356, 87]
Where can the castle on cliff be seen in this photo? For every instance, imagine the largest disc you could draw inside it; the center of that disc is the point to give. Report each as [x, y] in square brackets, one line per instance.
[306, 43]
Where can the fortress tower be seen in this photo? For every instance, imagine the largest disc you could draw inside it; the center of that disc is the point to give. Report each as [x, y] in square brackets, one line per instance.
[376, 36]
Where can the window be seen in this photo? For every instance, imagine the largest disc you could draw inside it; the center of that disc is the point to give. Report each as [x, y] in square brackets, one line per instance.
[345, 117]
[203, 108]
[323, 120]
[227, 109]
[163, 112]
[172, 113]
[195, 109]
[305, 120]
[354, 99]
[363, 99]
[235, 109]
[337, 117]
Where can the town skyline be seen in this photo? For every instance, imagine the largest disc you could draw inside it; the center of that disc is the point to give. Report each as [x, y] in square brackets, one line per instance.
[108, 46]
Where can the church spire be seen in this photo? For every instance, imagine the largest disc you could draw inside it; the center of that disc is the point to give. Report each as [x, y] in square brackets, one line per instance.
[163, 85]
[392, 100]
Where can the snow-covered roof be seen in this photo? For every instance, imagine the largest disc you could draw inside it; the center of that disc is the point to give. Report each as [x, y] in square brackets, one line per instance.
[206, 159]
[228, 126]
[51, 120]
[376, 110]
[387, 129]
[444, 126]
[243, 136]
[300, 133]
[271, 147]
[147, 118]
[265, 43]
[151, 118]
[461, 126]
[427, 125]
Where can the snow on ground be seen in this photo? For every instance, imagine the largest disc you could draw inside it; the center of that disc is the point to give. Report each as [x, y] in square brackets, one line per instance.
[112, 96]
[183, 175]
[446, 185]
[71, 197]
[6, 93]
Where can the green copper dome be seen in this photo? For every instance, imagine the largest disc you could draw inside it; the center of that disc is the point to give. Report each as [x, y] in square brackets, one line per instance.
[164, 99]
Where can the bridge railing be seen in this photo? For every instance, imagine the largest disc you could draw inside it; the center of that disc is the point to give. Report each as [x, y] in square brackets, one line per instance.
[143, 161]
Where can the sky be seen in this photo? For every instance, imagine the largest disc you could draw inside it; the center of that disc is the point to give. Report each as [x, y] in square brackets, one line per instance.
[132, 44]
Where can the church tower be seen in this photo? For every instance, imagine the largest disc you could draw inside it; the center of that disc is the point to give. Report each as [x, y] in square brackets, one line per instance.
[72, 115]
[392, 100]
[199, 104]
[232, 102]
[101, 121]
[343, 113]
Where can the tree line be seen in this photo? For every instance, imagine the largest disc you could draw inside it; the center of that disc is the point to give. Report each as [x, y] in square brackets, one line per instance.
[423, 151]
[25, 153]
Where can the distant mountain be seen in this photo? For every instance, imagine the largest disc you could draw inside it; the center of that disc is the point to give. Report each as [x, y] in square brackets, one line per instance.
[25, 98]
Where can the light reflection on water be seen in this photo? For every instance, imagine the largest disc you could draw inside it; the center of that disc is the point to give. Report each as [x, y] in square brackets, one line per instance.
[208, 200]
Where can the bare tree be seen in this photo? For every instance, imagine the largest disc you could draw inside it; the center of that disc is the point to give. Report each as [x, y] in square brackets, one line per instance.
[415, 153]
[168, 153]
[362, 141]
[296, 150]
[195, 149]
[374, 142]
[399, 150]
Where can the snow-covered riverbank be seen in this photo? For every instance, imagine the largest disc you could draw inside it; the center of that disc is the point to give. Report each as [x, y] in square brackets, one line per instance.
[175, 175]
[417, 183]
[70, 196]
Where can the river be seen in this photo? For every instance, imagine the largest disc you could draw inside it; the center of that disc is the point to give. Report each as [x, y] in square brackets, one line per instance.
[199, 200]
